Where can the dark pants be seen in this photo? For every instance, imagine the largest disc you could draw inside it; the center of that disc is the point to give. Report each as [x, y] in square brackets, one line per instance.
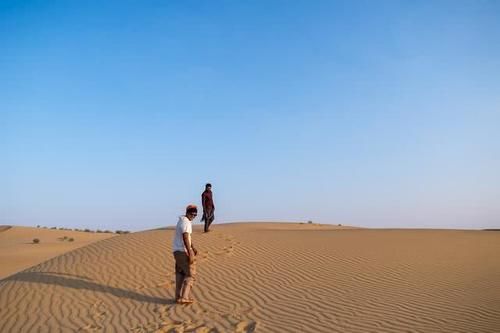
[208, 217]
[184, 275]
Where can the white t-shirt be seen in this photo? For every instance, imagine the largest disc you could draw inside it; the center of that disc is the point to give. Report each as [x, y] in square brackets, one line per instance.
[184, 225]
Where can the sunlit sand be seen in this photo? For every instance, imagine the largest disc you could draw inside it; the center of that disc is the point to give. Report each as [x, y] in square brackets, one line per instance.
[263, 277]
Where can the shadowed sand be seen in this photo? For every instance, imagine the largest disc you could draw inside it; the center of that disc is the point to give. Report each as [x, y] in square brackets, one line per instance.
[267, 277]
[17, 251]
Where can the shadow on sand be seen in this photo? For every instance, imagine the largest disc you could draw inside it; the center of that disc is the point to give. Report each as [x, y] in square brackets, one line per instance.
[78, 282]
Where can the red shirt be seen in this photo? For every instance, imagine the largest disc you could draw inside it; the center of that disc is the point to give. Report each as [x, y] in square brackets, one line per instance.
[207, 200]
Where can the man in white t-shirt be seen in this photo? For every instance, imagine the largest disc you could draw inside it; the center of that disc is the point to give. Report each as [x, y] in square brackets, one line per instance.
[184, 253]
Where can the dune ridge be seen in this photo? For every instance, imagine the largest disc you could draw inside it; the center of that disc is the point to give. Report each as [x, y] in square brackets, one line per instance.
[4, 227]
[266, 278]
[18, 252]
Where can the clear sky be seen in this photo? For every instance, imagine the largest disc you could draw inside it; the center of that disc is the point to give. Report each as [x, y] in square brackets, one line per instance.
[114, 115]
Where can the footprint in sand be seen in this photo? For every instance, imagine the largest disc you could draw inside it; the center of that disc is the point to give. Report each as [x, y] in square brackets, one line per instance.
[162, 309]
[228, 249]
[202, 256]
[97, 313]
[246, 326]
[98, 310]
[166, 284]
[90, 328]
[165, 324]
[240, 325]
[225, 251]
[179, 327]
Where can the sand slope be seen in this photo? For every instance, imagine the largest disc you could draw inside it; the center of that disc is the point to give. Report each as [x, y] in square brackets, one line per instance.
[267, 278]
[17, 251]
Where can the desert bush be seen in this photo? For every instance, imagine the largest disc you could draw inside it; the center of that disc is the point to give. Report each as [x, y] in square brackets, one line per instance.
[38, 226]
[108, 231]
[339, 225]
[54, 228]
[310, 222]
[87, 230]
[99, 231]
[36, 241]
[71, 239]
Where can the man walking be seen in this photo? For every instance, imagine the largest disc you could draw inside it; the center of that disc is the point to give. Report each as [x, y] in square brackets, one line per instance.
[208, 206]
[184, 253]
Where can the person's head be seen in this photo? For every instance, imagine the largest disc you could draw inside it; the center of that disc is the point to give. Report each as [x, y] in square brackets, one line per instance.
[191, 212]
[208, 186]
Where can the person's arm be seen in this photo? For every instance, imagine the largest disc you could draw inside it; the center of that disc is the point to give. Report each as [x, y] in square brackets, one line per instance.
[204, 201]
[189, 247]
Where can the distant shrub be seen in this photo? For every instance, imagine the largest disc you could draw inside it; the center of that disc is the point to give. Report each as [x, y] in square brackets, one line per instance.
[99, 231]
[71, 239]
[38, 226]
[36, 241]
[122, 232]
[54, 228]
[87, 230]
[65, 237]
[339, 225]
[108, 231]
[310, 222]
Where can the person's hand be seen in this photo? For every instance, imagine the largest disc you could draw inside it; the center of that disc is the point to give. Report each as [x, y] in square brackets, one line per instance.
[191, 260]
[195, 251]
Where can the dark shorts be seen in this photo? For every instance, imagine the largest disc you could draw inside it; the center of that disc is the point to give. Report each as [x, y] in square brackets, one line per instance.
[182, 265]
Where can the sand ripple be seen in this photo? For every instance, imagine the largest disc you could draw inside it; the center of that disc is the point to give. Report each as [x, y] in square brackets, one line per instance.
[258, 278]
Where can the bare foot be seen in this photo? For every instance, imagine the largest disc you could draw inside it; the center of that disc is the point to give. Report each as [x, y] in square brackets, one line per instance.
[184, 301]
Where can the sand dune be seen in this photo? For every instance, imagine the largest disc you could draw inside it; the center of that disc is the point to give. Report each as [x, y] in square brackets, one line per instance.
[267, 278]
[5, 227]
[17, 251]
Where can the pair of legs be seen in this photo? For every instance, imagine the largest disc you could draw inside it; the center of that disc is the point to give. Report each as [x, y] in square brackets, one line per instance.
[208, 217]
[184, 277]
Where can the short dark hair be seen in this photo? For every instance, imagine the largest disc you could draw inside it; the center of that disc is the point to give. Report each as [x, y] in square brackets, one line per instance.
[191, 209]
[208, 185]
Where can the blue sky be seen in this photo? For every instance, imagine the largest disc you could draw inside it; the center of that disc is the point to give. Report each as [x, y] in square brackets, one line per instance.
[370, 113]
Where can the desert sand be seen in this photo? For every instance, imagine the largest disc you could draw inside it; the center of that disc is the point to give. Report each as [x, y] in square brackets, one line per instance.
[17, 251]
[266, 277]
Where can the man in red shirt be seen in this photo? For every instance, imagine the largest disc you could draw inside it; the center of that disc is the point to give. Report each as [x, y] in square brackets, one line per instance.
[208, 206]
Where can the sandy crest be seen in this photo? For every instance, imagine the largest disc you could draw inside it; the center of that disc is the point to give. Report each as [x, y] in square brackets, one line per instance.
[267, 278]
[17, 251]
